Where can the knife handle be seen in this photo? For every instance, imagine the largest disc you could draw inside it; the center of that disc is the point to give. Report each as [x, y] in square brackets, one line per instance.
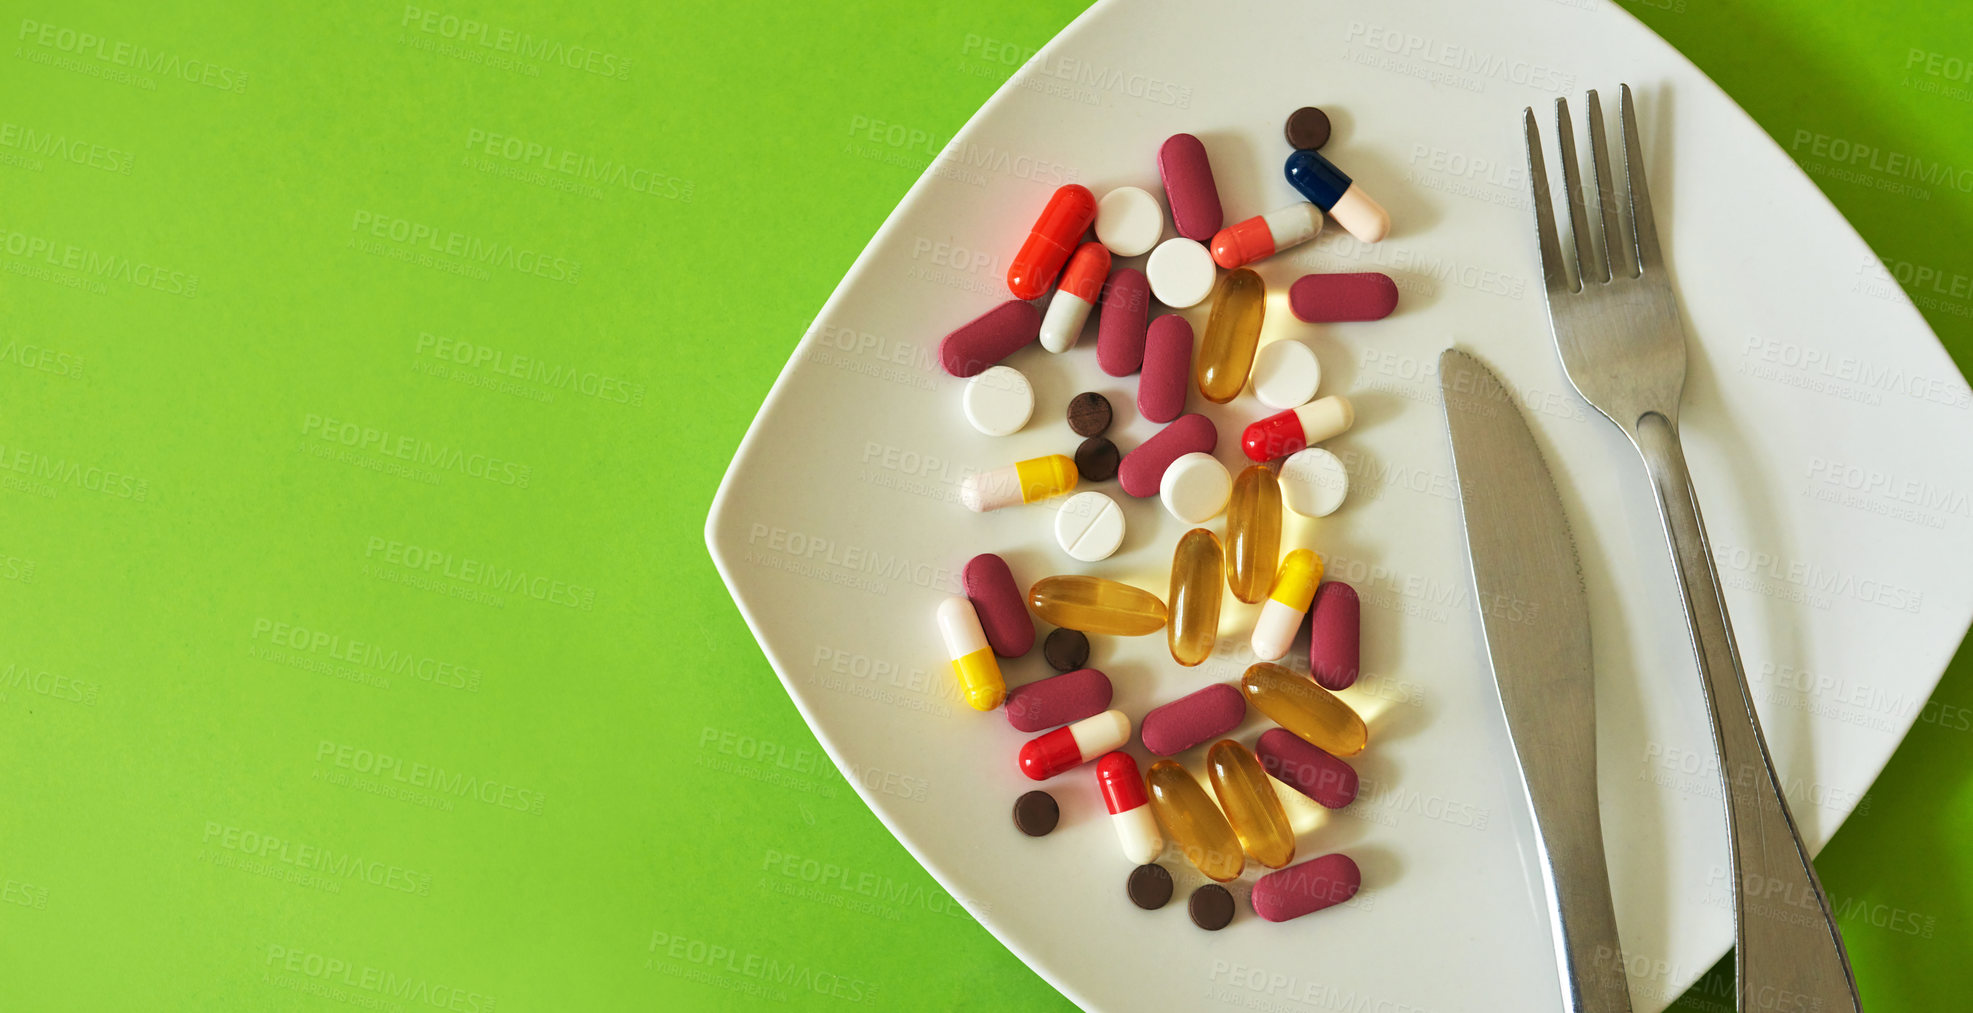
[1788, 953]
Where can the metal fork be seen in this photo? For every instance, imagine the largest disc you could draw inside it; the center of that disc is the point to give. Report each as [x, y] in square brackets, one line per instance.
[1622, 343]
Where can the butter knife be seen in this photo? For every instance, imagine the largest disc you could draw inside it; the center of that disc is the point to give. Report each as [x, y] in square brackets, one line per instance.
[1529, 591]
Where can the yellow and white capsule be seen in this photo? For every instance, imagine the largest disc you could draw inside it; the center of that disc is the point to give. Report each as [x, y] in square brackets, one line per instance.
[972, 657]
[1287, 604]
[1030, 481]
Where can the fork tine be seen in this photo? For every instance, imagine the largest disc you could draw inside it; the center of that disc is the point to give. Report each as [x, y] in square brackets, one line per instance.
[1587, 260]
[1552, 273]
[1616, 251]
[1642, 223]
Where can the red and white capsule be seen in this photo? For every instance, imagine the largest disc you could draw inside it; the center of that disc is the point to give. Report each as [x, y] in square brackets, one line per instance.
[1263, 236]
[1283, 434]
[1082, 284]
[1069, 747]
[1130, 808]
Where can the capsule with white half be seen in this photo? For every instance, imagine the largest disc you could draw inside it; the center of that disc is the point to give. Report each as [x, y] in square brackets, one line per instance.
[1082, 285]
[1263, 236]
[1329, 189]
[1030, 481]
[972, 657]
[1287, 604]
[1130, 808]
[1071, 746]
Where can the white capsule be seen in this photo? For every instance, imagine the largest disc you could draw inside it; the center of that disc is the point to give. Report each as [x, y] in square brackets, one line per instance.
[1274, 630]
[1062, 324]
[1361, 216]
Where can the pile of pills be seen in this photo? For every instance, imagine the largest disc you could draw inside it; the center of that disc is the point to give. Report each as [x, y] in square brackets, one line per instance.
[1070, 714]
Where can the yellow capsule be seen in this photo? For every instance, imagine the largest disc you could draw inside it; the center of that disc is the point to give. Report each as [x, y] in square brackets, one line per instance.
[1253, 533]
[1029, 481]
[1193, 822]
[1226, 354]
[1095, 605]
[1195, 593]
[1296, 703]
[972, 659]
[1287, 604]
[1250, 803]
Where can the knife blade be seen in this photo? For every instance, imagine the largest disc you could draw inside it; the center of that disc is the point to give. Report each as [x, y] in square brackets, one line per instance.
[1528, 587]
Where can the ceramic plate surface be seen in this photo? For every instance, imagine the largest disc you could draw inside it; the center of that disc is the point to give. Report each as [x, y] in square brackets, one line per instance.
[1828, 432]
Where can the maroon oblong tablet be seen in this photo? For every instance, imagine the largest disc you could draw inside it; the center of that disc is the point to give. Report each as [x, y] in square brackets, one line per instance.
[1058, 700]
[1335, 635]
[1210, 713]
[1306, 768]
[1167, 369]
[1142, 469]
[990, 337]
[1189, 187]
[1120, 330]
[1306, 888]
[1331, 298]
[1003, 609]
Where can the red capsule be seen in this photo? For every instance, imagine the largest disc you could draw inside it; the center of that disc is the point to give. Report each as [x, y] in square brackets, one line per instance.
[1055, 234]
[1045, 756]
[1283, 434]
[1122, 784]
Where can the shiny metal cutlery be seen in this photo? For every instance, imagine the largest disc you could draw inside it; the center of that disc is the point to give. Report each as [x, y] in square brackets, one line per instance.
[1622, 342]
[1529, 590]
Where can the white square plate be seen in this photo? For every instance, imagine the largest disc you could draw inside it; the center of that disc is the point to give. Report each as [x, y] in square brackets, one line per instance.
[1830, 437]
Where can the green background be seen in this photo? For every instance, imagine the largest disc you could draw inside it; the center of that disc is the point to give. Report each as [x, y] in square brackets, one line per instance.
[591, 763]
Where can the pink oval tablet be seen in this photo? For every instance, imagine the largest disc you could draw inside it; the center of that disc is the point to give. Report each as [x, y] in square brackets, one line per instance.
[1188, 177]
[1167, 369]
[1330, 298]
[1191, 719]
[1120, 327]
[1306, 768]
[1003, 609]
[1335, 633]
[1142, 469]
[1058, 700]
[989, 338]
[1306, 888]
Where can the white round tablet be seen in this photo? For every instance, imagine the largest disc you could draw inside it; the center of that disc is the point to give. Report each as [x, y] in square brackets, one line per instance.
[1314, 482]
[1181, 273]
[1089, 526]
[999, 401]
[1195, 488]
[1286, 374]
[1129, 221]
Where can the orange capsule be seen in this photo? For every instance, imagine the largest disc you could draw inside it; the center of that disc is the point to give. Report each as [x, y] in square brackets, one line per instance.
[1082, 284]
[1068, 215]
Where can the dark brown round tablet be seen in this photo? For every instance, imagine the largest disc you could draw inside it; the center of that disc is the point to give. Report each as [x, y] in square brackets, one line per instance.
[1211, 907]
[1308, 128]
[1097, 459]
[1066, 650]
[1036, 813]
[1089, 413]
[1149, 886]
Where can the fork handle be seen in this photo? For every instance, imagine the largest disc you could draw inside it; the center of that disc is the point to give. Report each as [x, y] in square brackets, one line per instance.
[1788, 954]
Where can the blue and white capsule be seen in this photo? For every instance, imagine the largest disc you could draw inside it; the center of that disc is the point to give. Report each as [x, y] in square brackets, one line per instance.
[1326, 187]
